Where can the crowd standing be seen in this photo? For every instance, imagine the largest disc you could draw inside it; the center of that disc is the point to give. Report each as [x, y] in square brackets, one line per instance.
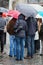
[21, 32]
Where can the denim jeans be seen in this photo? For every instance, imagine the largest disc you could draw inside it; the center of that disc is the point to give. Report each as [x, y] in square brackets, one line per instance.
[20, 42]
[30, 49]
[12, 45]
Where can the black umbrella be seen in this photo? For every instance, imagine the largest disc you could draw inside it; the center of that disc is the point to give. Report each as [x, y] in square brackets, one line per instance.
[2, 9]
[26, 10]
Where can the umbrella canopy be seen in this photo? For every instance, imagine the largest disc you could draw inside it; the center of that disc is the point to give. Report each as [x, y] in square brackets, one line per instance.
[4, 14]
[26, 10]
[37, 7]
[40, 13]
[2, 9]
[13, 13]
[38, 16]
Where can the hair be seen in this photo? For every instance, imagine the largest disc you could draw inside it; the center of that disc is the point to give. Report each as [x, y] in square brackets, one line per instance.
[1, 13]
[10, 25]
[22, 16]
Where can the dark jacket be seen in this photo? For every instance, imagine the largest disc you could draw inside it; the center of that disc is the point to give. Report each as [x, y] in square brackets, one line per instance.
[2, 23]
[41, 32]
[20, 27]
[32, 25]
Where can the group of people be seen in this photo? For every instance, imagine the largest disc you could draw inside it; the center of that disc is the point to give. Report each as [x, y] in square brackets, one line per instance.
[24, 30]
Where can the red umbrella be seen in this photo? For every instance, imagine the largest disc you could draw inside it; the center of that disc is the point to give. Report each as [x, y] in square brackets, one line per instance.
[13, 13]
[4, 14]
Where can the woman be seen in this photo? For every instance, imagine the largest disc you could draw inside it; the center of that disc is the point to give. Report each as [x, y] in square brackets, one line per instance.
[10, 30]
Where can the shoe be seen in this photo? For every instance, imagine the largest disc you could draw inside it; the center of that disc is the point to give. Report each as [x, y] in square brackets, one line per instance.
[29, 57]
[10, 56]
[41, 54]
[17, 59]
[14, 55]
[21, 59]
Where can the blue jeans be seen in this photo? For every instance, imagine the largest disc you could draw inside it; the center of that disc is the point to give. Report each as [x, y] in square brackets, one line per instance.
[30, 49]
[12, 45]
[20, 42]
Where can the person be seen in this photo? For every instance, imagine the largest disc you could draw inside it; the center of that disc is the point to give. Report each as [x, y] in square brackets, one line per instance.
[10, 30]
[20, 29]
[41, 37]
[32, 28]
[37, 42]
[2, 25]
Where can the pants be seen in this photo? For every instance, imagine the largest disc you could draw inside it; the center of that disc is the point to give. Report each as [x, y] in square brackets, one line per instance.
[2, 40]
[41, 47]
[20, 42]
[37, 45]
[30, 48]
[12, 45]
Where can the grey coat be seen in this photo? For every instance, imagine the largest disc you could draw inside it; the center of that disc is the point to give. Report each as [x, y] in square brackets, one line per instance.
[2, 23]
[21, 27]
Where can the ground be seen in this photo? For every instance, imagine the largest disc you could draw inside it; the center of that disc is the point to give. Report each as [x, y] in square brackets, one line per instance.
[36, 60]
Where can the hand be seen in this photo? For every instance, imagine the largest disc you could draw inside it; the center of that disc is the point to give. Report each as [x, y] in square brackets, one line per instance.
[5, 30]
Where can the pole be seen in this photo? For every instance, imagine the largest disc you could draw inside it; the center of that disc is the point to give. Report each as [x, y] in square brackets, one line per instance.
[10, 4]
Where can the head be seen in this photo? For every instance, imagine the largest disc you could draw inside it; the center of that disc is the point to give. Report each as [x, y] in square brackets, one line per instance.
[21, 16]
[1, 14]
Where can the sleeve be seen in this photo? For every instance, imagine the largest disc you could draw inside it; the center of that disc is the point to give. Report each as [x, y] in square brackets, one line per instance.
[26, 28]
[36, 25]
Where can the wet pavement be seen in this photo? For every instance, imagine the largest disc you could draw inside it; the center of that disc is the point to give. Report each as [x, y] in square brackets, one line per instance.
[6, 60]
[36, 60]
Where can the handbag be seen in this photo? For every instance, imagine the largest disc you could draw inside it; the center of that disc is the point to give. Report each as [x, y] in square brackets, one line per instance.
[36, 35]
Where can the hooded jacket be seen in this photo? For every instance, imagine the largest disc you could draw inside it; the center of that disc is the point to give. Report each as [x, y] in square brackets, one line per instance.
[21, 27]
[32, 25]
[2, 23]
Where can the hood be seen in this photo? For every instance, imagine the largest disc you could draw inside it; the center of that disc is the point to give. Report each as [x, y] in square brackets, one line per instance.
[21, 16]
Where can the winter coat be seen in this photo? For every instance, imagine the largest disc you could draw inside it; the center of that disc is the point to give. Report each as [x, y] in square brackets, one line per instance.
[32, 25]
[20, 27]
[2, 23]
[10, 26]
[41, 32]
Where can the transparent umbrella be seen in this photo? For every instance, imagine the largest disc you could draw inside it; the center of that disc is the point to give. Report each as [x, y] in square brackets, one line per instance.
[2, 9]
[26, 10]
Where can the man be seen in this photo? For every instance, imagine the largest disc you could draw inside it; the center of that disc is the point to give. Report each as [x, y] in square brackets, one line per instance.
[2, 24]
[32, 28]
[20, 30]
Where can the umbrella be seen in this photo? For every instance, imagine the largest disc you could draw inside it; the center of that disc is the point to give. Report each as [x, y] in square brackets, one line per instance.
[37, 7]
[13, 13]
[4, 14]
[40, 13]
[38, 16]
[26, 10]
[2, 9]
